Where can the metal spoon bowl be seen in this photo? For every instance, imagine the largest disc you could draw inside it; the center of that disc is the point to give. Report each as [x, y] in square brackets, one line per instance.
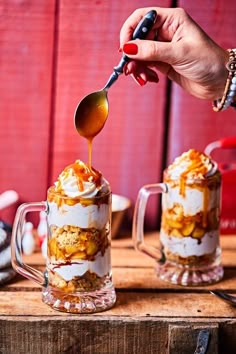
[91, 114]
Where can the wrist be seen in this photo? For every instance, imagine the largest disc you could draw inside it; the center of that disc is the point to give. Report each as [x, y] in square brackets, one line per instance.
[228, 94]
[222, 75]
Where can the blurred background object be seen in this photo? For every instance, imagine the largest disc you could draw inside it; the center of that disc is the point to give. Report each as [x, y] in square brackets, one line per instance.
[120, 207]
[7, 199]
[228, 171]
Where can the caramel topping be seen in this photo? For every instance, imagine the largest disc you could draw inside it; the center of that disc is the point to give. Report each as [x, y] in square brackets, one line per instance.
[82, 173]
[192, 165]
[195, 170]
[196, 164]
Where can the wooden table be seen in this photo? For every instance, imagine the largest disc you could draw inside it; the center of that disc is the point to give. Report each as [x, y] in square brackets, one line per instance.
[150, 316]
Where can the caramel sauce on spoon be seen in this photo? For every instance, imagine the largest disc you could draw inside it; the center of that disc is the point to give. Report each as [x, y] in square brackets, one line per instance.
[91, 115]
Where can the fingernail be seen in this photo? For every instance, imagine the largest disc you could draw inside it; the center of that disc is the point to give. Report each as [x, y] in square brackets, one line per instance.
[130, 48]
[140, 80]
[126, 70]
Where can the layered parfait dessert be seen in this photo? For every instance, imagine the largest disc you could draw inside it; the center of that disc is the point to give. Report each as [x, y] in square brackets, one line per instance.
[190, 218]
[79, 214]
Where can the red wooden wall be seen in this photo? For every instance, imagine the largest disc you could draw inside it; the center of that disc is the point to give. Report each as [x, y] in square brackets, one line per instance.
[27, 37]
[52, 53]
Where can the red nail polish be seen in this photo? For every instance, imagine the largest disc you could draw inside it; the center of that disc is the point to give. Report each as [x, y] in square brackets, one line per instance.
[140, 81]
[126, 71]
[130, 48]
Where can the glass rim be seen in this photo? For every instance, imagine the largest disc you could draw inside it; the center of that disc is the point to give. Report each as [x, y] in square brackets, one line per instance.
[51, 190]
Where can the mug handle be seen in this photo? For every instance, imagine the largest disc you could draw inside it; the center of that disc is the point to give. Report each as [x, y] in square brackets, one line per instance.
[138, 221]
[16, 243]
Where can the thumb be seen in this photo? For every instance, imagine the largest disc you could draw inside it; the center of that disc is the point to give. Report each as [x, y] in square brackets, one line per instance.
[147, 50]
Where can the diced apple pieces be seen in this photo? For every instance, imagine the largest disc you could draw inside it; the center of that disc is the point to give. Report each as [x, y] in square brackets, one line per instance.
[176, 233]
[92, 248]
[188, 229]
[174, 224]
[198, 232]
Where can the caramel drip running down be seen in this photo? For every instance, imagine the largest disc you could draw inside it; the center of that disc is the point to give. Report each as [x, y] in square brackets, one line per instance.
[90, 150]
[84, 173]
[195, 166]
[199, 169]
[206, 198]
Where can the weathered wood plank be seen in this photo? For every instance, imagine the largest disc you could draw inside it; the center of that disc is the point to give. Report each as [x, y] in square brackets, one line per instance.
[88, 335]
[129, 304]
[184, 339]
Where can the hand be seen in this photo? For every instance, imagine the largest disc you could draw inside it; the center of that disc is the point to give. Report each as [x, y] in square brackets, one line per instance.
[182, 51]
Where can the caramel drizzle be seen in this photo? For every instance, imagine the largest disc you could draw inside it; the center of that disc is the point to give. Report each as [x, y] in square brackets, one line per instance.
[199, 168]
[83, 173]
[90, 149]
[196, 166]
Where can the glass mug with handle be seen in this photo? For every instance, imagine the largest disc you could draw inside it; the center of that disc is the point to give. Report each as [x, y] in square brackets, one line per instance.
[189, 252]
[78, 267]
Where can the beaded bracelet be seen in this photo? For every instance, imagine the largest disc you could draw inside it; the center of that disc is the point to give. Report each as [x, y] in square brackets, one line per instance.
[229, 95]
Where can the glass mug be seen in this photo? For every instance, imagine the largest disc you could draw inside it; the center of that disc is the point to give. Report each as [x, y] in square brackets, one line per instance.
[189, 252]
[78, 276]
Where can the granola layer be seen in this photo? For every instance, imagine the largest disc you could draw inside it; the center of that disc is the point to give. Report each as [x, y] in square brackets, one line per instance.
[78, 256]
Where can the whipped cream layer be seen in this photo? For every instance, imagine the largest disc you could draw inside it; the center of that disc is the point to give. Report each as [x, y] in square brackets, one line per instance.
[80, 180]
[193, 200]
[188, 246]
[192, 165]
[78, 215]
[101, 265]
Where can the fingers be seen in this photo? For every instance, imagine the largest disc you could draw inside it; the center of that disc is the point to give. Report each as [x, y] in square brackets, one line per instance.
[164, 15]
[141, 73]
[170, 25]
[130, 24]
[146, 50]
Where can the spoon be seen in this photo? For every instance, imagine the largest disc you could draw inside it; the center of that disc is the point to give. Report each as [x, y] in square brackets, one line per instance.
[229, 299]
[92, 111]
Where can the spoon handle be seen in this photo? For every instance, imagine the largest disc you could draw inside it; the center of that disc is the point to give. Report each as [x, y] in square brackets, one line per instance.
[145, 25]
[140, 32]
